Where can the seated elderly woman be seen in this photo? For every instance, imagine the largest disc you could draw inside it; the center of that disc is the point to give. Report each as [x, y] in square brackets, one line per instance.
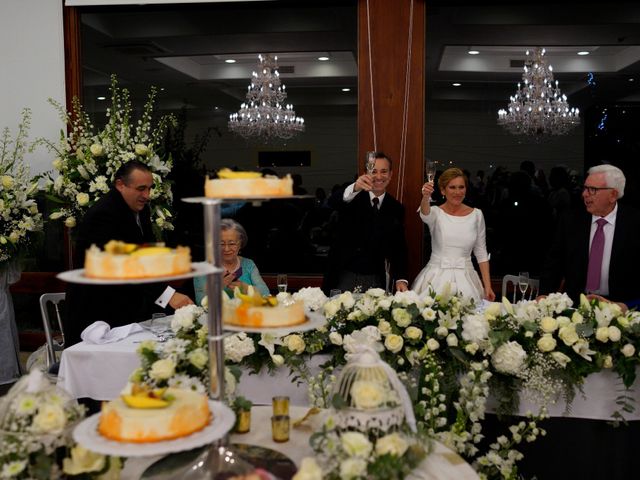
[238, 271]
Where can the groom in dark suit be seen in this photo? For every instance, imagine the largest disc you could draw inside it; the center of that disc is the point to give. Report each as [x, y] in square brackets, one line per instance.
[122, 214]
[596, 252]
[369, 234]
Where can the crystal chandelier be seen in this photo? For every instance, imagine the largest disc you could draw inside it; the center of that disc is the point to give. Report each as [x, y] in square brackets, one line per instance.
[538, 108]
[264, 116]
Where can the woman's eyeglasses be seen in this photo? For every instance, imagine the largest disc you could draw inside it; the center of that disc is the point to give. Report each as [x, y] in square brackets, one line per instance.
[229, 244]
[594, 190]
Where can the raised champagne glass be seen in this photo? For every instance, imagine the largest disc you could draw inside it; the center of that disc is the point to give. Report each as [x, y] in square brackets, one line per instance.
[281, 281]
[370, 162]
[430, 171]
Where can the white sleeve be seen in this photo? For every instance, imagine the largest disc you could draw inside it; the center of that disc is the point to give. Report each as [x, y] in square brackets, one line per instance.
[480, 247]
[430, 219]
[163, 300]
[349, 193]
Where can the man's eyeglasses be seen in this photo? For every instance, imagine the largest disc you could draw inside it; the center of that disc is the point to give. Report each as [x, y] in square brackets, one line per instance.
[229, 244]
[594, 190]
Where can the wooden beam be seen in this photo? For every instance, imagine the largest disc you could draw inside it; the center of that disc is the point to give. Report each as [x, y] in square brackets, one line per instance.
[391, 56]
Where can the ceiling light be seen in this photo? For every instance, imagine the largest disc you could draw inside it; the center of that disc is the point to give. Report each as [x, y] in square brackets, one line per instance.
[230, 60]
[264, 116]
[538, 107]
[456, 84]
[346, 89]
[102, 98]
[583, 52]
[323, 59]
[473, 52]
[632, 79]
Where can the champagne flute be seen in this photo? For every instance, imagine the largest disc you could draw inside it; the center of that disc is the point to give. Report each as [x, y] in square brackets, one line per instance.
[430, 171]
[370, 162]
[523, 282]
[281, 281]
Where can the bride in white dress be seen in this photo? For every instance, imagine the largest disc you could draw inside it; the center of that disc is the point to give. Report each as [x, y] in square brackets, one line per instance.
[456, 230]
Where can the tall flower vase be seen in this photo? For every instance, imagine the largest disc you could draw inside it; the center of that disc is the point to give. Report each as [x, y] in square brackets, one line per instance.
[9, 346]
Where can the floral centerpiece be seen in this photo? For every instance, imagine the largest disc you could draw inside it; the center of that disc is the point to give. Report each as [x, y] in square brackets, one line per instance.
[20, 218]
[87, 158]
[36, 420]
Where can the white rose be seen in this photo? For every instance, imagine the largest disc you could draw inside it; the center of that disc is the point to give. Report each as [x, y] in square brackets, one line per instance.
[346, 299]
[141, 149]
[628, 350]
[278, 360]
[442, 331]
[384, 304]
[607, 362]
[577, 317]
[602, 334]
[335, 338]
[70, 222]
[356, 444]
[384, 327]
[82, 199]
[563, 321]
[568, 334]
[295, 343]
[560, 358]
[56, 215]
[96, 150]
[50, 418]
[367, 395]
[198, 358]
[401, 317]
[494, 309]
[7, 182]
[452, 340]
[471, 348]
[14, 237]
[393, 343]
[429, 314]
[162, 369]
[548, 324]
[353, 468]
[547, 343]
[331, 308]
[392, 444]
[375, 292]
[83, 461]
[614, 333]
[509, 358]
[433, 344]
[309, 470]
[413, 333]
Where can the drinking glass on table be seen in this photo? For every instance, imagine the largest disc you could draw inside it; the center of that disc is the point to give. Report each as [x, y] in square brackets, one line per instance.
[281, 281]
[523, 282]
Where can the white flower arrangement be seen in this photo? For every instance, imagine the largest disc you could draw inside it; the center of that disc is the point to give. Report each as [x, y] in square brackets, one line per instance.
[20, 219]
[86, 159]
[36, 420]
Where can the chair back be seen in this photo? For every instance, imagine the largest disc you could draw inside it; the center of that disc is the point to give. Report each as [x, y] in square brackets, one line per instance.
[510, 284]
[55, 341]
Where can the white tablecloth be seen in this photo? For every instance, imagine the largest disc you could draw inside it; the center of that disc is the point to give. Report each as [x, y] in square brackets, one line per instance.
[101, 371]
[441, 464]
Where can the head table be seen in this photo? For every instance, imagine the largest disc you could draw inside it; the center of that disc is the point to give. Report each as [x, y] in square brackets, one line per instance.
[100, 372]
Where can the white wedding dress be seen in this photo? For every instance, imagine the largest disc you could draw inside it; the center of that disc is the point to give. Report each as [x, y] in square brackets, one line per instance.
[452, 241]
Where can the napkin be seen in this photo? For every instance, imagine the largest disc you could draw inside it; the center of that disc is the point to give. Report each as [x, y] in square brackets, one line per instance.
[100, 332]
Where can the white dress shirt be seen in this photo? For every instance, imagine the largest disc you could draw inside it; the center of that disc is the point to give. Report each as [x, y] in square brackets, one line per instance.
[608, 229]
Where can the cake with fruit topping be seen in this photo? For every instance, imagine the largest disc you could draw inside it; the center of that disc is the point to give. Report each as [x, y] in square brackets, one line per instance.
[230, 184]
[145, 415]
[121, 260]
[252, 310]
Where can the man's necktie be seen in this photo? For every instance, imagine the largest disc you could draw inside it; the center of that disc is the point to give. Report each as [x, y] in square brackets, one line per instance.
[376, 202]
[595, 257]
[139, 223]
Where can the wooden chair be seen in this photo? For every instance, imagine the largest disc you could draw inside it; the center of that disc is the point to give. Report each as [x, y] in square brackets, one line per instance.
[510, 284]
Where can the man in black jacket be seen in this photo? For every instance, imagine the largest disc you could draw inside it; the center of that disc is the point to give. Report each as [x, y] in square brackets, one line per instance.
[596, 252]
[122, 214]
[369, 234]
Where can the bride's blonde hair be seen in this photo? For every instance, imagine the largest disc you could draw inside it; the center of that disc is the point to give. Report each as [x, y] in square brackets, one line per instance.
[448, 175]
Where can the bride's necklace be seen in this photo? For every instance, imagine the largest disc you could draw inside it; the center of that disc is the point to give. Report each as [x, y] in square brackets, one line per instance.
[459, 212]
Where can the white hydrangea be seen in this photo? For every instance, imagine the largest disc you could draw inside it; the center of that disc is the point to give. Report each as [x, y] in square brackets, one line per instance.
[509, 358]
[238, 346]
[475, 328]
[313, 297]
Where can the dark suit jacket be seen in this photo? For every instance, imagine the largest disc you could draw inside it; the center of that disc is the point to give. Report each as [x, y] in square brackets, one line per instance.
[568, 258]
[109, 219]
[365, 238]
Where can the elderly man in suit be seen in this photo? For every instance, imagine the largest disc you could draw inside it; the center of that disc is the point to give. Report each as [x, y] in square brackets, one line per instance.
[122, 214]
[596, 252]
[369, 234]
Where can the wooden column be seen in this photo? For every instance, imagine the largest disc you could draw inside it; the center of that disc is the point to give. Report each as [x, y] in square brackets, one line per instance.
[72, 54]
[391, 57]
